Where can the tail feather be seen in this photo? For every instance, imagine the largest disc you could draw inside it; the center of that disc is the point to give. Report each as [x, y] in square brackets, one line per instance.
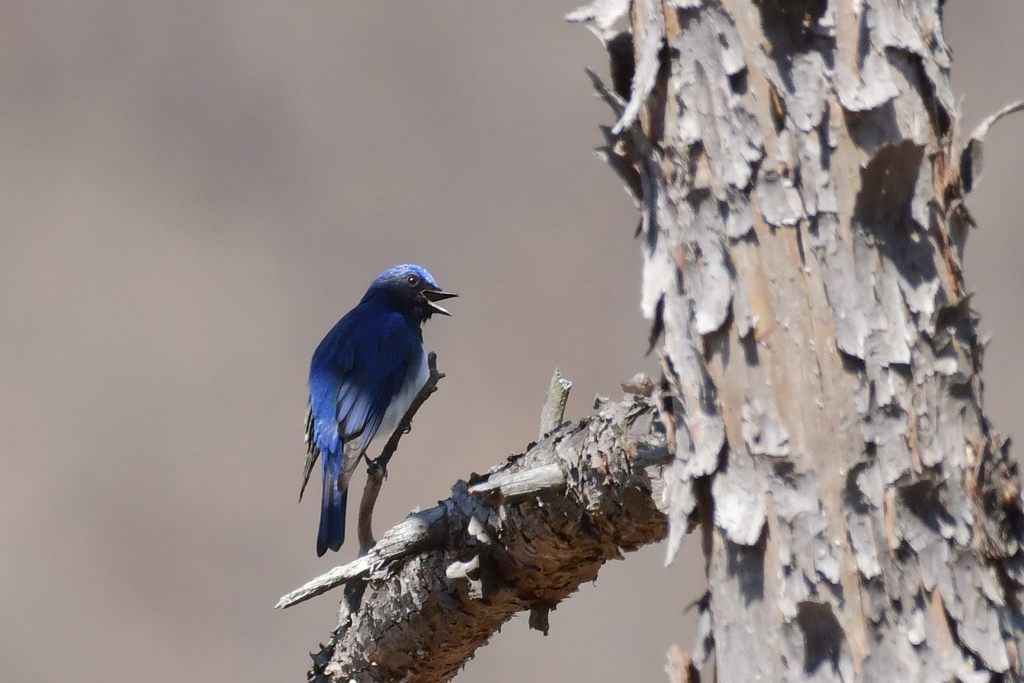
[332, 506]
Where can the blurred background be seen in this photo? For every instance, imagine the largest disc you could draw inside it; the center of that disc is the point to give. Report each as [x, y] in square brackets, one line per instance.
[191, 193]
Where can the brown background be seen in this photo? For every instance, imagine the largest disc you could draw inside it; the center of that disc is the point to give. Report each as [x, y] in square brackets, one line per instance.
[191, 193]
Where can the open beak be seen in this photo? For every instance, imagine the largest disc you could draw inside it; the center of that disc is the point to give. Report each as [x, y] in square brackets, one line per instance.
[434, 295]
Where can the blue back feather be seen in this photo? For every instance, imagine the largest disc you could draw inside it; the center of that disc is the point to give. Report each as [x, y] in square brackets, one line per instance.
[355, 373]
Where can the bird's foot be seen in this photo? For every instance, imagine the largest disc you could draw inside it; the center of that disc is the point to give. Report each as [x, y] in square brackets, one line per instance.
[376, 468]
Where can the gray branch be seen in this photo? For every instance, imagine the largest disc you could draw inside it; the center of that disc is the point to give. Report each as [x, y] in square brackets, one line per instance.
[553, 412]
[522, 537]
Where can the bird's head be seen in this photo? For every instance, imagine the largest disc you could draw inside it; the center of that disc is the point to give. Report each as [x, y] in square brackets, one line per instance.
[411, 289]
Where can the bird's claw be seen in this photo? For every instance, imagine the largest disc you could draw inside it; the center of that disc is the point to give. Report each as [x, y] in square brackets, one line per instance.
[376, 468]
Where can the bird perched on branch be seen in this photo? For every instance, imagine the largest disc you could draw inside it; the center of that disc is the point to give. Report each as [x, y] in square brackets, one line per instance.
[363, 376]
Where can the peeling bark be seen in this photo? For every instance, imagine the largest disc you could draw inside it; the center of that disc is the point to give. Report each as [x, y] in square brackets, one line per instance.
[523, 537]
[799, 181]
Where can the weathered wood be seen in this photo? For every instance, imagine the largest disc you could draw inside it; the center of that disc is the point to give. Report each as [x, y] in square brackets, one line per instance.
[801, 181]
[418, 531]
[798, 173]
[522, 537]
[553, 411]
[525, 483]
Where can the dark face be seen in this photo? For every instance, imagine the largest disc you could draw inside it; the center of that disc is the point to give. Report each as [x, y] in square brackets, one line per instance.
[412, 290]
[419, 295]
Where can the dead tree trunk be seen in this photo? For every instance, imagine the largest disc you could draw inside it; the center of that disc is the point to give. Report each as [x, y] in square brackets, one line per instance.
[800, 182]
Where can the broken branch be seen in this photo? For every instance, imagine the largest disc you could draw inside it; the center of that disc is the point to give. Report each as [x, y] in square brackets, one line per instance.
[524, 536]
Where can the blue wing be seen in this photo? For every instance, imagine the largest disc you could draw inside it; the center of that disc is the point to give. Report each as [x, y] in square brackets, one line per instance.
[356, 371]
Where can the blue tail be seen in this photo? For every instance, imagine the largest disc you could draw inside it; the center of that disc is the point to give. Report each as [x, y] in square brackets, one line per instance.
[332, 507]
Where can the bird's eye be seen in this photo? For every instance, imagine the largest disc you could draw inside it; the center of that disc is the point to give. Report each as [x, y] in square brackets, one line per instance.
[412, 280]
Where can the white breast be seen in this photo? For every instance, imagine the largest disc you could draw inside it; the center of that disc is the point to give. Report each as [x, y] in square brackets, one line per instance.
[414, 381]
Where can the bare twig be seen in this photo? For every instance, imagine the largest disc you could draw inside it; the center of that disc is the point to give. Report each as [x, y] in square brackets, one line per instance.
[377, 470]
[553, 412]
[418, 531]
[972, 156]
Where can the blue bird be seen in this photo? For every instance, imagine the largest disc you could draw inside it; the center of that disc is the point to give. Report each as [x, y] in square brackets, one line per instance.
[363, 376]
